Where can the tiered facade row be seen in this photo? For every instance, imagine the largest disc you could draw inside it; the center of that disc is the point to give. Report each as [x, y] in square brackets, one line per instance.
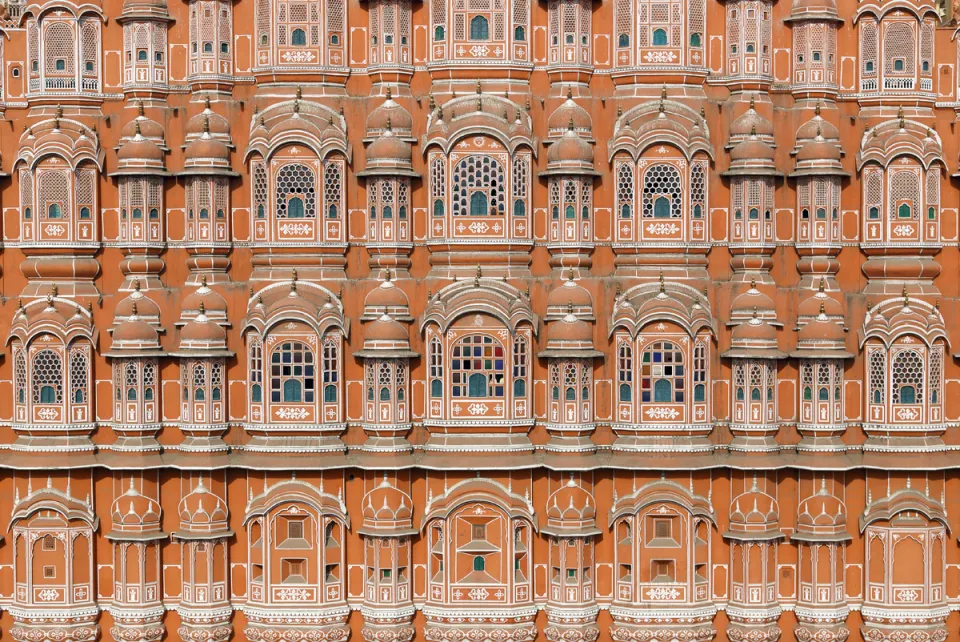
[479, 320]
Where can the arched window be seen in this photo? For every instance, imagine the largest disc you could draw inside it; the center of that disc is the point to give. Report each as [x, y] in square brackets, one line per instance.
[661, 207]
[478, 187]
[477, 367]
[299, 38]
[47, 377]
[662, 374]
[142, 55]
[519, 34]
[904, 211]
[438, 33]
[623, 40]
[292, 391]
[519, 208]
[519, 367]
[295, 208]
[331, 370]
[54, 211]
[478, 563]
[436, 368]
[695, 40]
[699, 373]
[908, 375]
[659, 38]
[296, 192]
[479, 28]
[292, 373]
[20, 373]
[478, 204]
[199, 382]
[438, 208]
[256, 370]
[625, 372]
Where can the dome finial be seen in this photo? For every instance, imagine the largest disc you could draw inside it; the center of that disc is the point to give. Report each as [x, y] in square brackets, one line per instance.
[136, 285]
[753, 131]
[569, 92]
[663, 285]
[570, 124]
[203, 309]
[476, 278]
[206, 124]
[663, 92]
[139, 108]
[299, 92]
[206, 102]
[752, 103]
[389, 94]
[479, 88]
[816, 110]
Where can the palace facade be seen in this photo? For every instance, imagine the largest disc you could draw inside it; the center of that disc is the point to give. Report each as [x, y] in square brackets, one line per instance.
[479, 321]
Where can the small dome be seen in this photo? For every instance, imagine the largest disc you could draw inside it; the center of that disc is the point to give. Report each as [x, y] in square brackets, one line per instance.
[818, 149]
[201, 510]
[135, 512]
[751, 122]
[569, 112]
[387, 510]
[146, 308]
[821, 330]
[387, 503]
[210, 121]
[389, 115]
[571, 503]
[386, 329]
[389, 148]
[803, 8]
[139, 151]
[751, 302]
[821, 302]
[206, 148]
[134, 333]
[214, 306]
[386, 296]
[571, 149]
[822, 514]
[818, 123]
[148, 128]
[754, 511]
[568, 330]
[201, 333]
[569, 293]
[753, 333]
[752, 149]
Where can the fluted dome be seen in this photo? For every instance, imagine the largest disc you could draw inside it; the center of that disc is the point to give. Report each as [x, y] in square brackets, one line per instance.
[202, 512]
[389, 155]
[133, 513]
[387, 510]
[823, 517]
[207, 154]
[752, 302]
[754, 514]
[571, 511]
